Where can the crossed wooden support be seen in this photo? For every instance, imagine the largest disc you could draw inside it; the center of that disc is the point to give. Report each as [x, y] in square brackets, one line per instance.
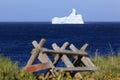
[59, 53]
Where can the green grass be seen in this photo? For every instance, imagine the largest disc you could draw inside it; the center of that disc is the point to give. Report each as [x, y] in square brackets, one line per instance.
[108, 69]
[10, 71]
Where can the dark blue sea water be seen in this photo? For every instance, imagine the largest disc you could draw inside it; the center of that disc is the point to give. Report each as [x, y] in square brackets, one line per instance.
[16, 38]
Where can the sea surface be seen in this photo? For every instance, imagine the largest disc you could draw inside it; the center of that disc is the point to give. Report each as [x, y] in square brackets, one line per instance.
[16, 38]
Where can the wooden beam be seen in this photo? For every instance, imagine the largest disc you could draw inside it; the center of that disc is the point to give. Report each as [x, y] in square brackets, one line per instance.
[87, 62]
[37, 67]
[62, 52]
[40, 45]
[64, 58]
[76, 69]
[35, 52]
[56, 57]
[81, 51]
[55, 47]
[83, 48]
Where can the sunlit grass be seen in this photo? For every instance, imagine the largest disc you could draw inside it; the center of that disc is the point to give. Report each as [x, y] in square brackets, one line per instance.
[10, 71]
[108, 69]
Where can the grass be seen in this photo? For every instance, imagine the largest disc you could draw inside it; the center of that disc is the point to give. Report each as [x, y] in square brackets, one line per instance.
[10, 71]
[108, 69]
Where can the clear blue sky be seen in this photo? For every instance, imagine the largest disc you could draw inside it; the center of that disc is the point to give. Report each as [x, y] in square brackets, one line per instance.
[45, 10]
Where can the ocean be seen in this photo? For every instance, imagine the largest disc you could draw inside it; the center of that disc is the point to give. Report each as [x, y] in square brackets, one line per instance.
[16, 37]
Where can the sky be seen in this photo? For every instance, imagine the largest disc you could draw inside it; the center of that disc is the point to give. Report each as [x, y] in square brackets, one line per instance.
[45, 10]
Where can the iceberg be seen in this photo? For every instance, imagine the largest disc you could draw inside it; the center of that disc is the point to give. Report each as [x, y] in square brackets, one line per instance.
[73, 18]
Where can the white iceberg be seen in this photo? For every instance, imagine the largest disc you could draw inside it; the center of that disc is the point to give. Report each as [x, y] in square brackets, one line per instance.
[73, 18]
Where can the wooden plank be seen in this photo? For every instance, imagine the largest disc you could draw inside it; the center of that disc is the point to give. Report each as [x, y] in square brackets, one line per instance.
[40, 45]
[44, 58]
[77, 69]
[73, 48]
[35, 52]
[57, 56]
[83, 48]
[62, 52]
[55, 47]
[37, 67]
[87, 62]
[81, 51]
[64, 58]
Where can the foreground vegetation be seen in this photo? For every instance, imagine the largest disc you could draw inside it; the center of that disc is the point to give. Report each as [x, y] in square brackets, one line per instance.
[108, 69]
[10, 71]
